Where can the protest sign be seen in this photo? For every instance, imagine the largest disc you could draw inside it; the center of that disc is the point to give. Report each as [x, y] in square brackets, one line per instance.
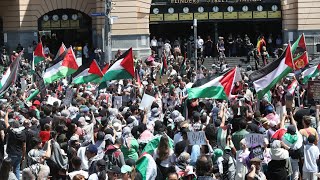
[313, 92]
[51, 100]
[146, 102]
[197, 138]
[117, 102]
[256, 152]
[69, 96]
[23, 84]
[41, 86]
[255, 143]
[254, 139]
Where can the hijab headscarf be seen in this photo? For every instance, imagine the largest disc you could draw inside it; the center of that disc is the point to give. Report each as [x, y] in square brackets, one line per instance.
[126, 137]
[183, 160]
[278, 153]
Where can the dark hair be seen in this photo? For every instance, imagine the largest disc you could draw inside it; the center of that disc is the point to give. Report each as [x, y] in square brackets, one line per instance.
[53, 134]
[103, 172]
[76, 161]
[203, 119]
[47, 110]
[242, 124]
[307, 120]
[118, 141]
[5, 169]
[311, 138]
[204, 166]
[35, 141]
[163, 148]
[172, 173]
[46, 127]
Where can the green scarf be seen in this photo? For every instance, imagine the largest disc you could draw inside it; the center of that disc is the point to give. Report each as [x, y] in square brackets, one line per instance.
[291, 138]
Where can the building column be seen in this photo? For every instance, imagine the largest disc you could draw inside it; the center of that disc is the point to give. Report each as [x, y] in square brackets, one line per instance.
[131, 26]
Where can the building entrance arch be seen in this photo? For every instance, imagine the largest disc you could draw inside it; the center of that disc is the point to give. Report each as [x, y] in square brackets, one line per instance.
[72, 27]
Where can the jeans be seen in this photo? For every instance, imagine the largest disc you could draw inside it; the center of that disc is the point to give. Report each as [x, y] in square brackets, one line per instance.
[295, 169]
[15, 162]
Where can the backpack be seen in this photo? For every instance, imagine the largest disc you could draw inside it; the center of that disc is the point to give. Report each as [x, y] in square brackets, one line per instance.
[296, 154]
[225, 164]
[112, 158]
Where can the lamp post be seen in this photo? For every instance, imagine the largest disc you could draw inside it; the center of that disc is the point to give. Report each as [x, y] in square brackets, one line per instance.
[195, 24]
[107, 28]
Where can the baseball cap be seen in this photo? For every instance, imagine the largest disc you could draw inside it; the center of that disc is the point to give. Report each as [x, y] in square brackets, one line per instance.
[36, 102]
[114, 169]
[92, 149]
[291, 130]
[255, 160]
[125, 169]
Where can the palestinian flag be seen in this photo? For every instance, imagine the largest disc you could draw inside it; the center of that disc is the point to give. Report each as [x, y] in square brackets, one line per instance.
[10, 76]
[91, 74]
[61, 50]
[268, 96]
[38, 54]
[66, 66]
[153, 144]
[147, 167]
[301, 61]
[123, 68]
[292, 86]
[137, 77]
[299, 43]
[266, 78]
[310, 73]
[298, 47]
[217, 88]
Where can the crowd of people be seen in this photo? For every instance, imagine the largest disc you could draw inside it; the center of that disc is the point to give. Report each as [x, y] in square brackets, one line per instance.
[234, 45]
[105, 134]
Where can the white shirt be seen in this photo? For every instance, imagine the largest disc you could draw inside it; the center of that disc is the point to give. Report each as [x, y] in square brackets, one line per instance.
[182, 92]
[46, 50]
[177, 138]
[86, 51]
[30, 50]
[167, 162]
[154, 42]
[311, 154]
[200, 43]
[167, 47]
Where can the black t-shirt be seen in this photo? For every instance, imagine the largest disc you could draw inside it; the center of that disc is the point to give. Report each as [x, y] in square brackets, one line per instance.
[16, 138]
[44, 121]
[252, 127]
[1, 142]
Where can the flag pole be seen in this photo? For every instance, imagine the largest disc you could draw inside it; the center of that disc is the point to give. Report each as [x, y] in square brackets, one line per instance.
[298, 94]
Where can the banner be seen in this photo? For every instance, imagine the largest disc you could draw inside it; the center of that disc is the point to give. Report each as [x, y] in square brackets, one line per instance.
[254, 139]
[313, 92]
[146, 102]
[197, 138]
[69, 96]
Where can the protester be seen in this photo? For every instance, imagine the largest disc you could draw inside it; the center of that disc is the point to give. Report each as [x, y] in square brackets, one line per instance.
[156, 119]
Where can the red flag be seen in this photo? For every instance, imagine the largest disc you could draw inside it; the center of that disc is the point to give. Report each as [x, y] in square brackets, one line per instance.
[138, 78]
[38, 51]
[105, 69]
[165, 66]
[59, 87]
[61, 50]
[301, 62]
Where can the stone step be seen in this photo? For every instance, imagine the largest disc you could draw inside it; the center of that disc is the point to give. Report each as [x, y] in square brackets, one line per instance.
[232, 61]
